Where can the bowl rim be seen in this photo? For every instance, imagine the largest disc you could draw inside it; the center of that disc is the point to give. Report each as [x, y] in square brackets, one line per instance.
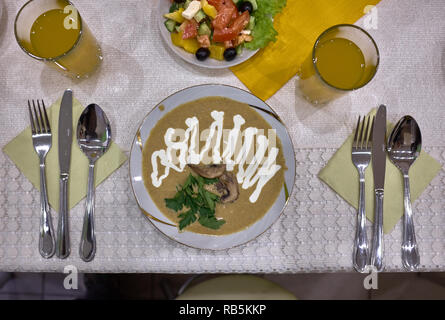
[183, 54]
[150, 217]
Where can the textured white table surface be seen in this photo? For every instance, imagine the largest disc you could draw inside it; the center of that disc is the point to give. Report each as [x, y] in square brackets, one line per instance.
[315, 232]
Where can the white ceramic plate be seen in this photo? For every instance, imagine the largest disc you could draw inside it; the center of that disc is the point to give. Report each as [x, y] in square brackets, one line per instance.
[158, 219]
[163, 8]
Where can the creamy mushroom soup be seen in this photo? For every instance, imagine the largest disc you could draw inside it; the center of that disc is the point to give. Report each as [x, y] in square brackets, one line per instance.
[219, 152]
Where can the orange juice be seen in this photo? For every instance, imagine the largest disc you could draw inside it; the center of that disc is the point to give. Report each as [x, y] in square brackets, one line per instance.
[340, 62]
[343, 58]
[53, 31]
[50, 38]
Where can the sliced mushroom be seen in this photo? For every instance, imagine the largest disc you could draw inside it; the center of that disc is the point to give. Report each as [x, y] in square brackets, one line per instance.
[228, 179]
[210, 171]
[217, 188]
[221, 188]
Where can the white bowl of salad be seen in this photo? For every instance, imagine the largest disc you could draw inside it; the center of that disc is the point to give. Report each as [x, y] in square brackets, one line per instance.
[218, 33]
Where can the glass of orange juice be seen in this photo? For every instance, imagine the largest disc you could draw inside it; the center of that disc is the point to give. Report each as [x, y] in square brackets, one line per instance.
[53, 31]
[344, 58]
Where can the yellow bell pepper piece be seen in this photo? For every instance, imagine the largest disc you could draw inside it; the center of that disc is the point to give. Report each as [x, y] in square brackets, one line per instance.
[217, 52]
[176, 38]
[189, 45]
[176, 15]
[208, 9]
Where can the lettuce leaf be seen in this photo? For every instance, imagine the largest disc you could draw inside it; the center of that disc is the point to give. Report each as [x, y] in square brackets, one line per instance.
[271, 7]
[264, 31]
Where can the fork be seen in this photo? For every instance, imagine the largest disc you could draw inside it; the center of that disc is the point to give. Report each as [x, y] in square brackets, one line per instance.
[361, 156]
[42, 141]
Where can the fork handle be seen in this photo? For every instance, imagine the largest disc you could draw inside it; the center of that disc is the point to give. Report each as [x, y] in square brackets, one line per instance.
[47, 243]
[361, 248]
[63, 239]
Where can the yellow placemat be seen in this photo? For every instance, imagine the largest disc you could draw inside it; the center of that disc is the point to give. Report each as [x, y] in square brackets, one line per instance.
[21, 151]
[342, 176]
[298, 26]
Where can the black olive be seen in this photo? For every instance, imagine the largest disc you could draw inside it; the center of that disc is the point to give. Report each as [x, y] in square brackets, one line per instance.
[202, 54]
[245, 5]
[229, 54]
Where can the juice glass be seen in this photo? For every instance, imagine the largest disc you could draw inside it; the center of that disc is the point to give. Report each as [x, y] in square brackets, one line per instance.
[53, 32]
[344, 58]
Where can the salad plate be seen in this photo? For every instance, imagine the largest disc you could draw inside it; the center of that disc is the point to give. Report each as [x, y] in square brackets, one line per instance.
[243, 55]
[151, 132]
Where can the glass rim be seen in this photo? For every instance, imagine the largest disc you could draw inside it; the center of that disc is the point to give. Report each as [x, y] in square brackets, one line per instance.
[327, 31]
[54, 59]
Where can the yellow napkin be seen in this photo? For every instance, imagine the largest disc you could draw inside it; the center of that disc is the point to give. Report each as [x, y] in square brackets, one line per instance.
[21, 151]
[298, 26]
[342, 176]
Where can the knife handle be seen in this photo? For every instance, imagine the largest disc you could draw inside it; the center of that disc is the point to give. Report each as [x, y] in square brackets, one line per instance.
[63, 240]
[377, 239]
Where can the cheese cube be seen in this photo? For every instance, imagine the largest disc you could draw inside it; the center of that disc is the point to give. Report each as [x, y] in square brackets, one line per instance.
[191, 10]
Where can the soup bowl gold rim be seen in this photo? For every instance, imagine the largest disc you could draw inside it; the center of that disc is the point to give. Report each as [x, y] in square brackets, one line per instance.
[138, 141]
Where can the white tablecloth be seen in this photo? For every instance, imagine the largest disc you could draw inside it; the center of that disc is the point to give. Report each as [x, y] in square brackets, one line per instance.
[316, 230]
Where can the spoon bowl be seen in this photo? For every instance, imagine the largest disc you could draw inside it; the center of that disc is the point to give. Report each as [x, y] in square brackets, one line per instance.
[404, 145]
[93, 132]
[94, 139]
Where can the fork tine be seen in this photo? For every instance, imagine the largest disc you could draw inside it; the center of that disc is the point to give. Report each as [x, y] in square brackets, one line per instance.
[31, 118]
[366, 132]
[354, 143]
[371, 130]
[38, 127]
[48, 127]
[360, 138]
[42, 120]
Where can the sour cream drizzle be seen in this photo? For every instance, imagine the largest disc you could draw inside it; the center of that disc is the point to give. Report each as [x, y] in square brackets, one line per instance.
[246, 177]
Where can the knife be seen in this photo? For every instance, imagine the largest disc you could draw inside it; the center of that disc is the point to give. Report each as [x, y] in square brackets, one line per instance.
[378, 168]
[65, 141]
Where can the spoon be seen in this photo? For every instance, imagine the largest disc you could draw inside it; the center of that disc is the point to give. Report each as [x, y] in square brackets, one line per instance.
[404, 145]
[93, 137]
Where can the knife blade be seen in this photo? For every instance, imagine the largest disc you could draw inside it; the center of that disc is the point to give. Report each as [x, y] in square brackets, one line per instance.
[65, 131]
[65, 141]
[378, 168]
[379, 148]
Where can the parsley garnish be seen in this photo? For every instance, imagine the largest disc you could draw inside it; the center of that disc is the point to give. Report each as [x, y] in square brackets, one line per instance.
[198, 202]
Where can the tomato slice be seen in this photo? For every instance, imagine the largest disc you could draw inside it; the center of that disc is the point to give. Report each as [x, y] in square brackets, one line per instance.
[219, 4]
[230, 4]
[216, 3]
[223, 17]
[190, 29]
[235, 14]
[230, 33]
